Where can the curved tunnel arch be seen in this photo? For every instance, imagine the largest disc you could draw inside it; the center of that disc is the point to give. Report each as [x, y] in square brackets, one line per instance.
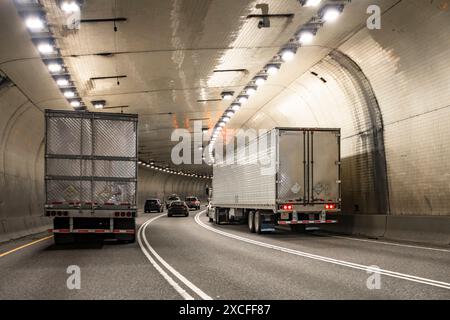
[336, 93]
[399, 148]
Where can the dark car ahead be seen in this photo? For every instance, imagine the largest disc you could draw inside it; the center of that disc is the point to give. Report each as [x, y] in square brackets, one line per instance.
[178, 208]
[171, 199]
[192, 202]
[153, 205]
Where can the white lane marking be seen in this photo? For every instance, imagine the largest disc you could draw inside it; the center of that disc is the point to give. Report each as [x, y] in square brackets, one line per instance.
[174, 272]
[169, 279]
[392, 244]
[389, 273]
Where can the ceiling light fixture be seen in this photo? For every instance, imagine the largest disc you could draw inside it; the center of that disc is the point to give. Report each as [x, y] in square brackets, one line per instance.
[54, 67]
[260, 80]
[330, 13]
[45, 48]
[34, 23]
[75, 103]
[62, 82]
[288, 54]
[235, 106]
[306, 36]
[227, 95]
[250, 90]
[243, 99]
[273, 68]
[99, 104]
[69, 94]
[70, 6]
[310, 3]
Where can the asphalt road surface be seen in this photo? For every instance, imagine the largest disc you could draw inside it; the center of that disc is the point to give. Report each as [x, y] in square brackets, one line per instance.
[190, 258]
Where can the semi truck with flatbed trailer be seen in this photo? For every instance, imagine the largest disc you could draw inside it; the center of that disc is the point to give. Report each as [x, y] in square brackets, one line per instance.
[288, 176]
[91, 174]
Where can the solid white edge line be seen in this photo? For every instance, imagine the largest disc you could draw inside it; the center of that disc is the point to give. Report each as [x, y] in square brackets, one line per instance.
[399, 275]
[391, 243]
[183, 279]
[164, 274]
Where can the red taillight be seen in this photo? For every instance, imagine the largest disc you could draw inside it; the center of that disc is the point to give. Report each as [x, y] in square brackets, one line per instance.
[330, 206]
[287, 207]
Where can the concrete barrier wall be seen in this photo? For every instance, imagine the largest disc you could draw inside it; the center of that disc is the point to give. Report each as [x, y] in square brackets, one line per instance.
[21, 165]
[421, 229]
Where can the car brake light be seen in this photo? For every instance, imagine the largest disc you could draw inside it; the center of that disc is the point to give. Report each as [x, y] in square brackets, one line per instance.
[287, 207]
[330, 206]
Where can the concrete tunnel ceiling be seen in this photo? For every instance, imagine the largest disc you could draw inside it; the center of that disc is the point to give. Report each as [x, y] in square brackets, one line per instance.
[374, 84]
[166, 55]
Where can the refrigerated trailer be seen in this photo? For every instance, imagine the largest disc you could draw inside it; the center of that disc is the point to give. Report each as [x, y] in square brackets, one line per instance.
[288, 176]
[91, 174]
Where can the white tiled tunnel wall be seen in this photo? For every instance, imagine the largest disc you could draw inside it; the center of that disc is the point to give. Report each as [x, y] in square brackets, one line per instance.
[408, 65]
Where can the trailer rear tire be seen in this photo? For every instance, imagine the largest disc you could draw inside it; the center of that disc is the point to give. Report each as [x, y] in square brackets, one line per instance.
[251, 222]
[299, 228]
[258, 222]
[216, 216]
[63, 238]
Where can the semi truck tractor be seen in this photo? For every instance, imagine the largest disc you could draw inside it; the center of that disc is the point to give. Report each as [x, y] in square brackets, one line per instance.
[91, 175]
[287, 176]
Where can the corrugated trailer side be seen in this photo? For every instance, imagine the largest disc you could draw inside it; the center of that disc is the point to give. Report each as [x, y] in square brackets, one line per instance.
[246, 182]
[289, 176]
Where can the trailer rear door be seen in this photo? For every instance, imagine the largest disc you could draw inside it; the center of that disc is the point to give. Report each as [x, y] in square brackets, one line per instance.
[292, 183]
[308, 166]
[324, 175]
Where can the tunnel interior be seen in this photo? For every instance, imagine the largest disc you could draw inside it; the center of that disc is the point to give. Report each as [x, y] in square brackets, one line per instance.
[388, 90]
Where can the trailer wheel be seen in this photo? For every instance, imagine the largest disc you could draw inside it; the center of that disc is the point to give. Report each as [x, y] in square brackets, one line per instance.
[61, 238]
[132, 240]
[258, 222]
[251, 222]
[216, 216]
[126, 239]
[298, 228]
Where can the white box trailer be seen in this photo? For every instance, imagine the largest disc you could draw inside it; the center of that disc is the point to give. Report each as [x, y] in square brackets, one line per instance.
[91, 174]
[288, 176]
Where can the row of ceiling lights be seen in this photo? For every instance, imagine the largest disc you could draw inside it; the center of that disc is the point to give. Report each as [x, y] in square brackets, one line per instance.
[152, 165]
[35, 20]
[328, 13]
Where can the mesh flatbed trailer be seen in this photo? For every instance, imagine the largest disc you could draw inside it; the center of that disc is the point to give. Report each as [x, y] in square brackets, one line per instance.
[91, 174]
